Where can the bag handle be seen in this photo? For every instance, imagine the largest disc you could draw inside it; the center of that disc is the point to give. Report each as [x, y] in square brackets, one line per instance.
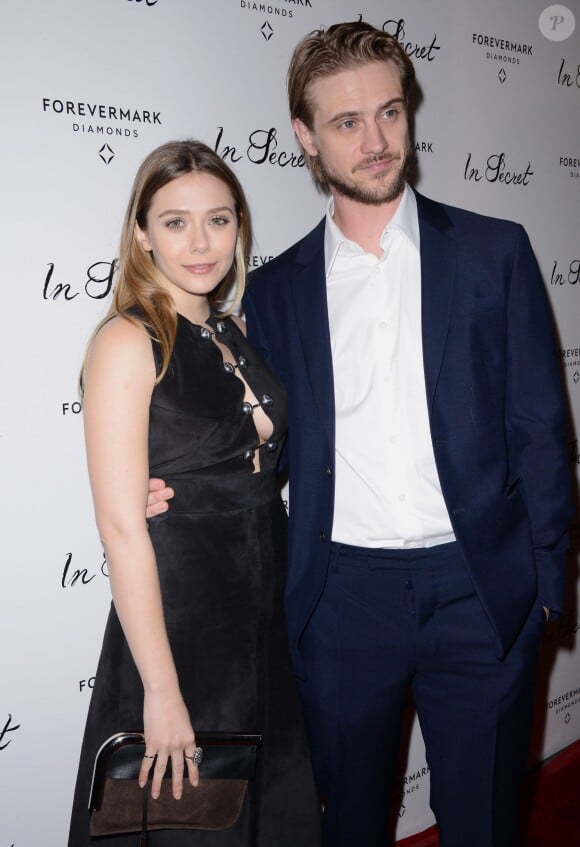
[144, 840]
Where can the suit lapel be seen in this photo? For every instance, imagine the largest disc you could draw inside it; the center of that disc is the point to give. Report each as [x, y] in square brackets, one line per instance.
[438, 274]
[311, 311]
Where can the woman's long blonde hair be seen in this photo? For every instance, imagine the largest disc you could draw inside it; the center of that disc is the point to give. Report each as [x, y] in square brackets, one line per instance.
[140, 295]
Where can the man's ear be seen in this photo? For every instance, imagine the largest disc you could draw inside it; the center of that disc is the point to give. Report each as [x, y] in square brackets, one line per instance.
[305, 137]
[141, 237]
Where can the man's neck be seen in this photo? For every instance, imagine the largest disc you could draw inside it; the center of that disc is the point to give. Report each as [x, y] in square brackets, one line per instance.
[363, 223]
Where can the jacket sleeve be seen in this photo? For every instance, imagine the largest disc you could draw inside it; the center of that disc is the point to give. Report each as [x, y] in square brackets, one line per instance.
[536, 422]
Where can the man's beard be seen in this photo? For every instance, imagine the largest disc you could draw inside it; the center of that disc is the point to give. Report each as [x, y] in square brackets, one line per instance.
[372, 194]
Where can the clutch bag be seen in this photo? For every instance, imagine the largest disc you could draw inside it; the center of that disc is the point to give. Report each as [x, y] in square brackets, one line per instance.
[118, 805]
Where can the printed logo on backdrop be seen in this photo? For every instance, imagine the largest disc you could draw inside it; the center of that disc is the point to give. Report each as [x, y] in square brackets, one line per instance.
[569, 167]
[502, 50]
[571, 363]
[275, 12]
[415, 781]
[557, 23]
[95, 283]
[569, 76]
[73, 407]
[423, 147]
[5, 737]
[565, 705]
[262, 147]
[428, 51]
[256, 261]
[498, 169]
[102, 121]
[79, 577]
[145, 2]
[565, 273]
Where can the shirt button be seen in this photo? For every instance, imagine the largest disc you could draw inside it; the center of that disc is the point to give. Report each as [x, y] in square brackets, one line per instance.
[383, 324]
[393, 439]
[402, 498]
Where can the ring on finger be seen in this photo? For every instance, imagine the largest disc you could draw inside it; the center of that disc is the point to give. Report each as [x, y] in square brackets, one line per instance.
[196, 757]
[146, 756]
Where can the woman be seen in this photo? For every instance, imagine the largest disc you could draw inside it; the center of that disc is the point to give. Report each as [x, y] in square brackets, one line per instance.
[196, 636]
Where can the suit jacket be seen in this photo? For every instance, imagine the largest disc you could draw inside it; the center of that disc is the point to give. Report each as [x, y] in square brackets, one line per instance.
[496, 410]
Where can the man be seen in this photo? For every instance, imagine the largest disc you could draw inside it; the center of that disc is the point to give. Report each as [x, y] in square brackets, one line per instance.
[429, 482]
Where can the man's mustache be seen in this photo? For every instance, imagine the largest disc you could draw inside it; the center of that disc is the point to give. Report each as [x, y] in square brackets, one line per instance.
[375, 160]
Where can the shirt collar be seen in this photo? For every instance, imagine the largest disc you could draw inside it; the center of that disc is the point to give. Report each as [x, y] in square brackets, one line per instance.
[405, 220]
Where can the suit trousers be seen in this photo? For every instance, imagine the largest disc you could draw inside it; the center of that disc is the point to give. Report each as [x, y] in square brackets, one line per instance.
[391, 622]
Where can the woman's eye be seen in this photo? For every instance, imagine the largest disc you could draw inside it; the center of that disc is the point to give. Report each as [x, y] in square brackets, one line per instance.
[175, 223]
[220, 220]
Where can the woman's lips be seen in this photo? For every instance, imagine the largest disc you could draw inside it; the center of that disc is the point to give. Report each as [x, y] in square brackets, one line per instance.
[201, 268]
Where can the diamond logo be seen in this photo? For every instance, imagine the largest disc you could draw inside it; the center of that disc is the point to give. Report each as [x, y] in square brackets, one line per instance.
[106, 154]
[576, 376]
[502, 75]
[567, 718]
[267, 31]
[402, 810]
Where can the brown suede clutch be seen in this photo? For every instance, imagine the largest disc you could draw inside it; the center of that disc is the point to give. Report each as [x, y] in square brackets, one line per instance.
[118, 805]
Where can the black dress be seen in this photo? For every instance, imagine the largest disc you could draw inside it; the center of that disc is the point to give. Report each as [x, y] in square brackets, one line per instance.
[221, 554]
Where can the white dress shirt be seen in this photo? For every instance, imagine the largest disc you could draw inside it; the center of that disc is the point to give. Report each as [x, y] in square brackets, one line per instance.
[387, 487]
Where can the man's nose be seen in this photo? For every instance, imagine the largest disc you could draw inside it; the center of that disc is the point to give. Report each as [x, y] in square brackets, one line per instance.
[374, 140]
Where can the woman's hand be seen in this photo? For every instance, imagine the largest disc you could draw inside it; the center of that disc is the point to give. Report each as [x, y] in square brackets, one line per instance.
[168, 735]
[157, 497]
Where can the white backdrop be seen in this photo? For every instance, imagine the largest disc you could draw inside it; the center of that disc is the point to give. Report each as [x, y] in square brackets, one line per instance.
[87, 89]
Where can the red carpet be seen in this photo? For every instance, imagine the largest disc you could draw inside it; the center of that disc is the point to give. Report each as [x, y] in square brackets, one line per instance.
[551, 805]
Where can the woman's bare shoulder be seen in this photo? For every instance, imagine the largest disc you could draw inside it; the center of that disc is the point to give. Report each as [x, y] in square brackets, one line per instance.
[123, 344]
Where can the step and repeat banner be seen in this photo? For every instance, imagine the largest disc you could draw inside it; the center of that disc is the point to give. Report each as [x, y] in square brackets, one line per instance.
[87, 89]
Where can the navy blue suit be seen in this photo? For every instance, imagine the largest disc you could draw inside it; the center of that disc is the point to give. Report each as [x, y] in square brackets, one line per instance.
[497, 421]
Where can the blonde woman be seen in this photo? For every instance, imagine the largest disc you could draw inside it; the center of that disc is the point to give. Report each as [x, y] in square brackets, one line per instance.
[196, 637]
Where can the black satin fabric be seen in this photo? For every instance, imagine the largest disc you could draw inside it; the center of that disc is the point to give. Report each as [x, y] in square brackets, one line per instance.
[221, 556]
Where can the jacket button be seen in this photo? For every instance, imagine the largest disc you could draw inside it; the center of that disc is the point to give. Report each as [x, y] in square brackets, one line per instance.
[328, 471]
[322, 535]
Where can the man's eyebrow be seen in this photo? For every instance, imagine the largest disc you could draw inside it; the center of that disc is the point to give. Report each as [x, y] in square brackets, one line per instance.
[352, 113]
[340, 116]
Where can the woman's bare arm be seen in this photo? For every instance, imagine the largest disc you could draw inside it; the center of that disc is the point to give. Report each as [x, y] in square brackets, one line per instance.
[118, 385]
